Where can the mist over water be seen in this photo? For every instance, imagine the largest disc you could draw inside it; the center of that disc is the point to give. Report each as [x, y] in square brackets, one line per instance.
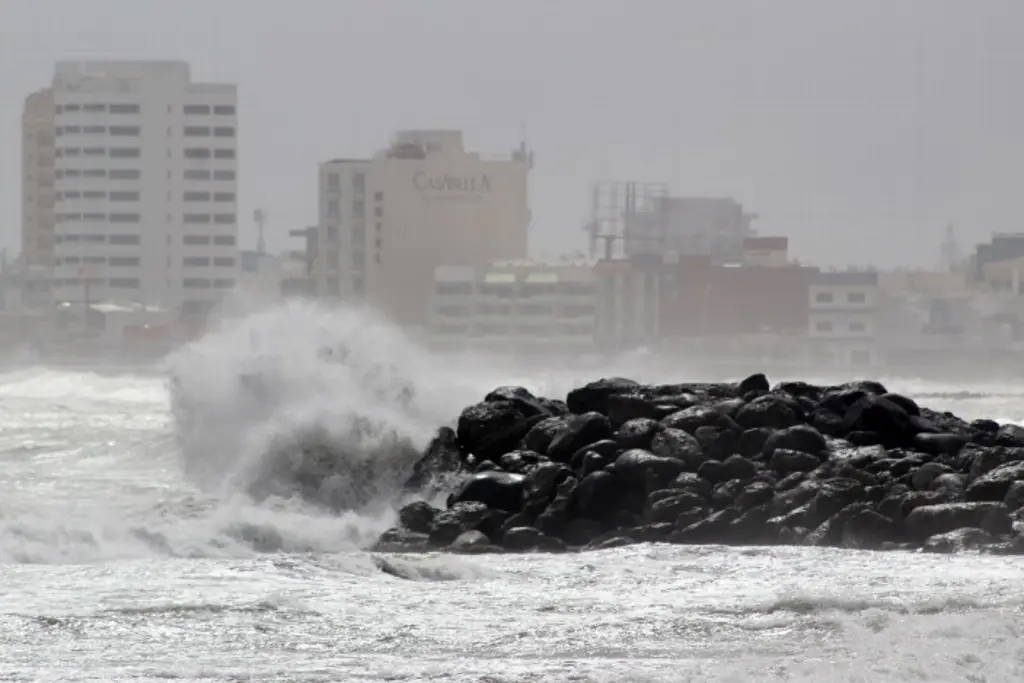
[153, 520]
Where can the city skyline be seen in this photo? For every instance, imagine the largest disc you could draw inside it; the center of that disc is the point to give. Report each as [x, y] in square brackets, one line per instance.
[886, 146]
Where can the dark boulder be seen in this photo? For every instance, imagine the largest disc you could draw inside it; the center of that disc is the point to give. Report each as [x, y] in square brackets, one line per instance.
[593, 397]
[771, 411]
[679, 445]
[995, 484]
[496, 490]
[637, 433]
[929, 520]
[441, 458]
[580, 432]
[488, 430]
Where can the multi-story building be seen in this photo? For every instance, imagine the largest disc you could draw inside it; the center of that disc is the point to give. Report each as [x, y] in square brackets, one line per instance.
[146, 185]
[691, 226]
[842, 316]
[522, 309]
[630, 297]
[37, 167]
[387, 223]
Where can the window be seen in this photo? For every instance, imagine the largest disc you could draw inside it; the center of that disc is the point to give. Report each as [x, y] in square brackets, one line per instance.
[196, 219]
[224, 240]
[195, 283]
[95, 108]
[125, 174]
[823, 326]
[196, 196]
[197, 174]
[378, 196]
[125, 131]
[224, 262]
[223, 284]
[378, 212]
[823, 297]
[124, 109]
[123, 261]
[94, 173]
[332, 233]
[193, 109]
[224, 219]
[224, 197]
[358, 209]
[534, 309]
[856, 297]
[124, 218]
[195, 261]
[94, 130]
[223, 175]
[94, 194]
[454, 288]
[94, 217]
[577, 311]
[333, 208]
[224, 110]
[124, 196]
[197, 153]
[858, 326]
[359, 183]
[123, 239]
[197, 131]
[358, 257]
[224, 154]
[223, 132]
[94, 152]
[124, 282]
[195, 240]
[125, 152]
[334, 182]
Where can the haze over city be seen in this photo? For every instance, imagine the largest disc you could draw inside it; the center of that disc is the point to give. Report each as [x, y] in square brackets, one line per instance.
[859, 130]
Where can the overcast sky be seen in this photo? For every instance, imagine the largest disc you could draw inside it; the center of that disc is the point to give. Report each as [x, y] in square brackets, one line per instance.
[858, 128]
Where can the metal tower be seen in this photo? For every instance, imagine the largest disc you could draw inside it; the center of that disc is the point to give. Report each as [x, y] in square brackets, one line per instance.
[629, 212]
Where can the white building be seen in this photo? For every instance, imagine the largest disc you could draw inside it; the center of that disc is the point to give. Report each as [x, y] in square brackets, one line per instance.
[521, 309]
[387, 223]
[146, 185]
[842, 315]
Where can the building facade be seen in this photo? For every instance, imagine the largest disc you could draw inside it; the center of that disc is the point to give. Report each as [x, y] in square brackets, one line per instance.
[842, 316]
[630, 295]
[387, 223]
[37, 169]
[146, 181]
[520, 309]
[691, 226]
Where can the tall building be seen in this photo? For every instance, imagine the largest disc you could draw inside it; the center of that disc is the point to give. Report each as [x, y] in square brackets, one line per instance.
[146, 185]
[387, 223]
[37, 180]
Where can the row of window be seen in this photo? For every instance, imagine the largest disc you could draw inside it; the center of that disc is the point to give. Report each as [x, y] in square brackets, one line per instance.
[122, 131]
[134, 261]
[113, 152]
[567, 311]
[358, 183]
[127, 218]
[204, 153]
[113, 174]
[828, 326]
[513, 290]
[135, 283]
[851, 298]
[529, 330]
[194, 196]
[207, 174]
[190, 109]
[208, 131]
[133, 240]
[135, 174]
[113, 196]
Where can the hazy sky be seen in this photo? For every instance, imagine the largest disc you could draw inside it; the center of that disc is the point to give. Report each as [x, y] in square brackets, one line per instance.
[858, 128]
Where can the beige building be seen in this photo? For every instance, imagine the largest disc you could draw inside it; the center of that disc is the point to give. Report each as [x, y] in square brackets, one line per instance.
[519, 309]
[37, 173]
[387, 223]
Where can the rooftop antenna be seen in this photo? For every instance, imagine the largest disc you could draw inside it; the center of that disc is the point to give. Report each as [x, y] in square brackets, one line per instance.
[260, 216]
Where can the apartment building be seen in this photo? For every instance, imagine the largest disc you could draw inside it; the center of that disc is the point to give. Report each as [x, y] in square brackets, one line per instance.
[530, 310]
[842, 316]
[145, 205]
[37, 167]
[389, 222]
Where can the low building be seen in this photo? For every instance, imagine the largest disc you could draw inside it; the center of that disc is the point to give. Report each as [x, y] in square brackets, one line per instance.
[518, 309]
[842, 310]
[767, 252]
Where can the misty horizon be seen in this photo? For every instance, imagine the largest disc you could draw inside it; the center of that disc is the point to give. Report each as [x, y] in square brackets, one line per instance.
[859, 132]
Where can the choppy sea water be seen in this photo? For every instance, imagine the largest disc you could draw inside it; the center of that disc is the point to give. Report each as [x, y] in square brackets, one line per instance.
[128, 555]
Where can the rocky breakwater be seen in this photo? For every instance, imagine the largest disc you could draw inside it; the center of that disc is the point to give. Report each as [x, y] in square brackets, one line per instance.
[619, 462]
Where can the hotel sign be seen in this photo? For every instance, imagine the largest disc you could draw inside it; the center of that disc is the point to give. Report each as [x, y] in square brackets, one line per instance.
[451, 184]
